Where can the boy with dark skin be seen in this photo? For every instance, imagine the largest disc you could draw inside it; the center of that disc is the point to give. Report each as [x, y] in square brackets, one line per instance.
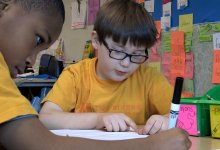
[26, 28]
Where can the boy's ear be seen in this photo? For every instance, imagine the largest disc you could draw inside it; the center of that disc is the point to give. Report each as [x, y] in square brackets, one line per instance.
[94, 39]
[4, 5]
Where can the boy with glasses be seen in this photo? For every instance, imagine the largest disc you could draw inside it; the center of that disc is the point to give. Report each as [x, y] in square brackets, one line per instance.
[115, 91]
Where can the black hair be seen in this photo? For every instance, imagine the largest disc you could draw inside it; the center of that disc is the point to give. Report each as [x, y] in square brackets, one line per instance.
[124, 20]
[48, 7]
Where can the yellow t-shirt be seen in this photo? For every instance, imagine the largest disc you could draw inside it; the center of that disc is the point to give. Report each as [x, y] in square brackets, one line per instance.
[12, 103]
[144, 93]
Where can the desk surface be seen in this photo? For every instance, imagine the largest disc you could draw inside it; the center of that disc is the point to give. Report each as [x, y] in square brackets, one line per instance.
[205, 143]
[198, 143]
[34, 82]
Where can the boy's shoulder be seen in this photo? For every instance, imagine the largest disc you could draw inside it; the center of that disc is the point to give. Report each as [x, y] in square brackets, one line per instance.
[85, 64]
[3, 64]
[147, 69]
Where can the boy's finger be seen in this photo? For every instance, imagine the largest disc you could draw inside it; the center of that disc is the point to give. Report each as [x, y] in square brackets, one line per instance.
[149, 125]
[130, 123]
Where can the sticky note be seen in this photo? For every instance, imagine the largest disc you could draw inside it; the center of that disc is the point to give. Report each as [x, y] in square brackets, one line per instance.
[187, 118]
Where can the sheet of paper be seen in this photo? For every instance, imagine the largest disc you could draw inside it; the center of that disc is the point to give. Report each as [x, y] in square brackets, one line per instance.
[182, 4]
[93, 8]
[189, 66]
[79, 14]
[165, 23]
[167, 9]
[216, 67]
[158, 26]
[186, 23]
[187, 118]
[216, 41]
[149, 5]
[178, 57]
[98, 134]
[155, 65]
[166, 41]
[216, 27]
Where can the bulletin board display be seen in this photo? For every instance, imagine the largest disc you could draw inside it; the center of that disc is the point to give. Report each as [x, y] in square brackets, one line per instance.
[203, 11]
[203, 62]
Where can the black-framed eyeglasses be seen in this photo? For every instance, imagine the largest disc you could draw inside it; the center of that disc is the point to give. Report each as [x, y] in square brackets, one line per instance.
[119, 55]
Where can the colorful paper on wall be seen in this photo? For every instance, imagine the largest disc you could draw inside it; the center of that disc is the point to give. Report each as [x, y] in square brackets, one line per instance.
[165, 68]
[188, 88]
[187, 119]
[166, 1]
[188, 41]
[140, 1]
[153, 55]
[216, 67]
[216, 41]
[158, 26]
[78, 14]
[189, 66]
[149, 5]
[165, 23]
[215, 120]
[155, 65]
[216, 27]
[186, 23]
[93, 7]
[177, 38]
[165, 58]
[177, 54]
[167, 9]
[182, 4]
[166, 41]
[165, 64]
[204, 36]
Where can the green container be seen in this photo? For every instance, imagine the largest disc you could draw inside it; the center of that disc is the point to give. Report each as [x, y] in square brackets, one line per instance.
[194, 114]
[201, 124]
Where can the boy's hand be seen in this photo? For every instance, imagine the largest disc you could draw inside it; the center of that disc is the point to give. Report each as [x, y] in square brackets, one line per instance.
[172, 139]
[154, 124]
[115, 122]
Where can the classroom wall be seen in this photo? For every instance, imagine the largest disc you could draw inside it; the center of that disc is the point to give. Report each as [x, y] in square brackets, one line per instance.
[74, 40]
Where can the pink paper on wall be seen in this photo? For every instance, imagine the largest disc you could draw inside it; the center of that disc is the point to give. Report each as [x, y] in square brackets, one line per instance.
[166, 1]
[189, 66]
[187, 119]
[166, 58]
[93, 8]
[216, 67]
[153, 55]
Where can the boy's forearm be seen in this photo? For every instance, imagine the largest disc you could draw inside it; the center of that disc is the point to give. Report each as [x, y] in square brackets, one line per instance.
[67, 120]
[30, 134]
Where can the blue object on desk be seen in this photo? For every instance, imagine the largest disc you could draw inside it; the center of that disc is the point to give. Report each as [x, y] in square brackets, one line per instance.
[42, 76]
[36, 101]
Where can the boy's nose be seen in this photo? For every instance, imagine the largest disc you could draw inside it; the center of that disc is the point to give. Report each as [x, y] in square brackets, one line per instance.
[31, 60]
[125, 62]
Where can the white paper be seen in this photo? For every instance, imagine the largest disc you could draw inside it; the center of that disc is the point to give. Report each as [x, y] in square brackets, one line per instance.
[98, 134]
[79, 14]
[182, 4]
[165, 23]
[216, 41]
[149, 5]
[167, 9]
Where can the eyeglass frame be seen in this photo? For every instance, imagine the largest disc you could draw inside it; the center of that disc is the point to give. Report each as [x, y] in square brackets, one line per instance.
[126, 54]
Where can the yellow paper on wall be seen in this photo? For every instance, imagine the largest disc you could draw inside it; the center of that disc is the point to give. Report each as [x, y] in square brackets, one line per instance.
[215, 120]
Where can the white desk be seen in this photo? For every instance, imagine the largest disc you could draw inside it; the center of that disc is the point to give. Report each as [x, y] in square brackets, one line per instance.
[198, 143]
[205, 143]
